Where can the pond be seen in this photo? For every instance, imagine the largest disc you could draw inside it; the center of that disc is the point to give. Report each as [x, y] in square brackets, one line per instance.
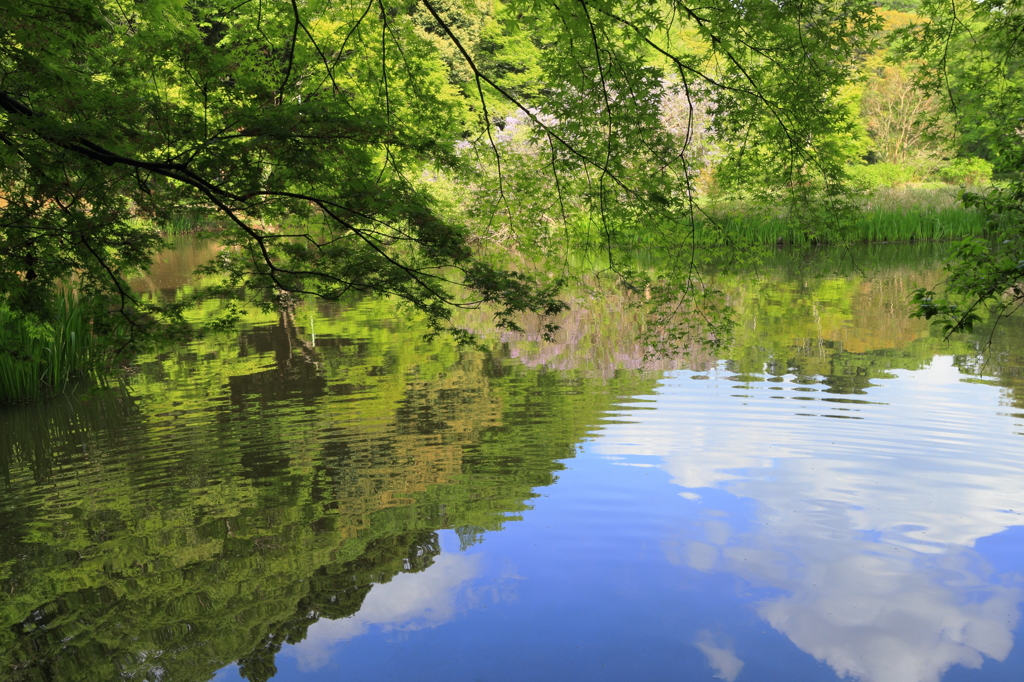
[326, 496]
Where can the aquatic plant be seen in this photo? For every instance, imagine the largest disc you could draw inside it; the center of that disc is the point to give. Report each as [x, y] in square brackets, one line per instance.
[41, 358]
[175, 226]
[875, 224]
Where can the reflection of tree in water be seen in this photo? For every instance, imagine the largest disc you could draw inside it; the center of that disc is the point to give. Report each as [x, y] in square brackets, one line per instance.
[250, 485]
[338, 592]
[34, 432]
[838, 317]
[113, 631]
[995, 357]
[237, 497]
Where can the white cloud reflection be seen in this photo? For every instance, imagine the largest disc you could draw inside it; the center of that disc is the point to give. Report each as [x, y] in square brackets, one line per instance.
[867, 526]
[410, 601]
[722, 659]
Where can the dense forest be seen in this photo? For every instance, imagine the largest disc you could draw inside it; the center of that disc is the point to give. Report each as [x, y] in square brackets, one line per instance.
[478, 153]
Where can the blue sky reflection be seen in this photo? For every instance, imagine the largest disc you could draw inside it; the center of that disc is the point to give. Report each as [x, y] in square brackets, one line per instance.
[865, 528]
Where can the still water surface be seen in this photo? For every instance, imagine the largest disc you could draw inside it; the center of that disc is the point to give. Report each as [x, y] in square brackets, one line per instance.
[325, 496]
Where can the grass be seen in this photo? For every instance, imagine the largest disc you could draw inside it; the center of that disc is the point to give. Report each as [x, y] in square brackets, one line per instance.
[871, 226]
[909, 214]
[44, 359]
[172, 227]
[189, 225]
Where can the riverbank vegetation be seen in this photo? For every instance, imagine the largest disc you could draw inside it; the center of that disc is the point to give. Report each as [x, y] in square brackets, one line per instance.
[890, 214]
[460, 154]
[45, 357]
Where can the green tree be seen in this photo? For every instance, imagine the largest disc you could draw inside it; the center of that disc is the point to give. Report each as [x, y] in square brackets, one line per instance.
[901, 117]
[357, 146]
[971, 56]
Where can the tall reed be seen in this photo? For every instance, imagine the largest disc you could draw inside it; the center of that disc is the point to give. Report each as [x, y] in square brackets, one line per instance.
[887, 214]
[38, 359]
[874, 224]
[172, 227]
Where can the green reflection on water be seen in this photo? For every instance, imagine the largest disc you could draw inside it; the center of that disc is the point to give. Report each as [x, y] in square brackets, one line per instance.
[244, 486]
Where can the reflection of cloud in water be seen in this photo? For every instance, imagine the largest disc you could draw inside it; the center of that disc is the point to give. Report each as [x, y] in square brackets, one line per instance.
[410, 601]
[873, 612]
[724, 660]
[867, 526]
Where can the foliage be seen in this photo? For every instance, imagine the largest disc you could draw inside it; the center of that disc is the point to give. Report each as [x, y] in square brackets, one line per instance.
[966, 171]
[416, 150]
[972, 56]
[984, 282]
[873, 176]
[44, 357]
[969, 57]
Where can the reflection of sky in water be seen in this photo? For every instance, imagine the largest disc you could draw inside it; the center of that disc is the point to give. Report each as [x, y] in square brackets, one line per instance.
[866, 527]
[747, 537]
[722, 659]
[410, 601]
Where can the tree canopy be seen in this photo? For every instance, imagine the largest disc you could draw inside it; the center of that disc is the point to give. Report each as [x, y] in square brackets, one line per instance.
[448, 152]
[972, 55]
[465, 153]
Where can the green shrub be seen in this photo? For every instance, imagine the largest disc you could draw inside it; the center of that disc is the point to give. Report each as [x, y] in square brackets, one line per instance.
[877, 175]
[966, 171]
